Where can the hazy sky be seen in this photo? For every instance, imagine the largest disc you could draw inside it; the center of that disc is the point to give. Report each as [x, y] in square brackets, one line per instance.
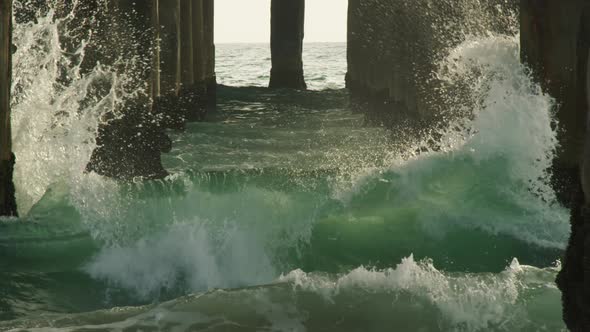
[249, 20]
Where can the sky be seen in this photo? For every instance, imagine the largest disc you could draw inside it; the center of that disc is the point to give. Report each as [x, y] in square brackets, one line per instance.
[248, 21]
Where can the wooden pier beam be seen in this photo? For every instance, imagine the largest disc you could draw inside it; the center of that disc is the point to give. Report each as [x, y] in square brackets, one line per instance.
[287, 32]
[7, 159]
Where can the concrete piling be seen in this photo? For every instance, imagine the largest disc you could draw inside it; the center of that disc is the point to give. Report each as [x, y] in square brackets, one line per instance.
[131, 137]
[170, 47]
[210, 80]
[199, 47]
[7, 158]
[187, 96]
[549, 43]
[287, 33]
[198, 67]
[155, 79]
[395, 49]
[187, 79]
[555, 44]
[186, 57]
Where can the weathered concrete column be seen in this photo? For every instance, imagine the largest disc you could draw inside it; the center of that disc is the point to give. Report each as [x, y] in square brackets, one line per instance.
[169, 14]
[187, 78]
[555, 40]
[187, 95]
[130, 143]
[395, 49]
[169, 57]
[155, 77]
[200, 47]
[354, 54]
[287, 32]
[199, 67]
[209, 52]
[7, 159]
[549, 43]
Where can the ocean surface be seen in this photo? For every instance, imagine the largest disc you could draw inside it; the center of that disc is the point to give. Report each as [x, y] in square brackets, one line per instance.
[249, 65]
[285, 211]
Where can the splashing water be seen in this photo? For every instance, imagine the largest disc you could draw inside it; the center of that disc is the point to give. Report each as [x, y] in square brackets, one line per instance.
[57, 102]
[276, 184]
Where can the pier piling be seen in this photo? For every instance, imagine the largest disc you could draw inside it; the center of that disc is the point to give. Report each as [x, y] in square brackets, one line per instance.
[555, 44]
[187, 79]
[209, 53]
[287, 33]
[199, 59]
[7, 158]
[186, 57]
[169, 25]
[550, 40]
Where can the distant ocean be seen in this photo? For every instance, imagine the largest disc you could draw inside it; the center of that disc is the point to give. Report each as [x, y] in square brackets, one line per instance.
[250, 64]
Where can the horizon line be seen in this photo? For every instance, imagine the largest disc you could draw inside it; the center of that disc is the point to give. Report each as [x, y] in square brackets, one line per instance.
[268, 42]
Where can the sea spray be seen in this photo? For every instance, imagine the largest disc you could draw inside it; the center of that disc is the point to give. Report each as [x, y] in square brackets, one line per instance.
[203, 240]
[512, 116]
[471, 192]
[61, 93]
[278, 187]
[508, 139]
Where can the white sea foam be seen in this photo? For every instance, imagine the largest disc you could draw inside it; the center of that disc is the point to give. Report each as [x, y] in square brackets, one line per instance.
[504, 151]
[466, 302]
[413, 295]
[197, 242]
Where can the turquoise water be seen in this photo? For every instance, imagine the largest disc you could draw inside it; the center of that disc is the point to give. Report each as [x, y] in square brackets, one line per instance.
[284, 211]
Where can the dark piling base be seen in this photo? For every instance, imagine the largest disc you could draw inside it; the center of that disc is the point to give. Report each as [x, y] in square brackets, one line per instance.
[288, 79]
[7, 191]
[192, 101]
[563, 179]
[211, 94]
[574, 278]
[191, 105]
[169, 113]
[379, 108]
[131, 147]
